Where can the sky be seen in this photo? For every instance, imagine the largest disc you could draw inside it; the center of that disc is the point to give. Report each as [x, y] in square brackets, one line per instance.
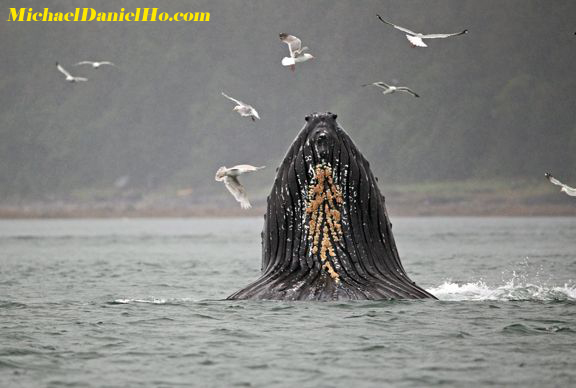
[496, 103]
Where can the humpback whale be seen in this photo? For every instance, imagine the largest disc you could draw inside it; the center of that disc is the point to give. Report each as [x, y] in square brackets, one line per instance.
[326, 232]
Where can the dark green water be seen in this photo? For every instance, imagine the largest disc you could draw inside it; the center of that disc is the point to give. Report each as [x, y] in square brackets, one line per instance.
[139, 303]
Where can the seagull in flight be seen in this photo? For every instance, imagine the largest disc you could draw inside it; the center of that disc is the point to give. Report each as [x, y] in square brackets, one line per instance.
[95, 65]
[416, 38]
[243, 109]
[389, 89]
[69, 77]
[297, 52]
[230, 178]
[564, 188]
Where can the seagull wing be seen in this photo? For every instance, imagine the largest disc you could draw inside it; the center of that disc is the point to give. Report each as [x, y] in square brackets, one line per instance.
[407, 90]
[397, 27]
[416, 41]
[294, 44]
[238, 191]
[233, 99]
[381, 85]
[84, 63]
[244, 168]
[436, 36]
[302, 50]
[571, 191]
[554, 181]
[62, 70]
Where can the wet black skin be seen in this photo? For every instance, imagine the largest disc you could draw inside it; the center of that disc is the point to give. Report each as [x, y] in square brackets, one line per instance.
[365, 257]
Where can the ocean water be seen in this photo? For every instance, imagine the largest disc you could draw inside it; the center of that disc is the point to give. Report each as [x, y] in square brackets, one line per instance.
[140, 303]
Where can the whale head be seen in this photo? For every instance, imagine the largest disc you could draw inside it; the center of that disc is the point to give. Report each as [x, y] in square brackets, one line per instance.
[326, 233]
[322, 138]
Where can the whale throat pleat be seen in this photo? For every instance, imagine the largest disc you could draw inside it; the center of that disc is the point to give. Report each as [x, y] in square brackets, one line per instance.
[326, 233]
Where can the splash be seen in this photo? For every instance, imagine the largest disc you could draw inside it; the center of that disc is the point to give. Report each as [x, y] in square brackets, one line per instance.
[527, 282]
[162, 301]
[150, 300]
[512, 290]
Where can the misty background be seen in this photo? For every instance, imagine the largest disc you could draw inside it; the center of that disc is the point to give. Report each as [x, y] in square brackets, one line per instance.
[497, 105]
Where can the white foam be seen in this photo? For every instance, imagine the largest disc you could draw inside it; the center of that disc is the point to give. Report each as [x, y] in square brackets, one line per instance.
[511, 290]
[152, 300]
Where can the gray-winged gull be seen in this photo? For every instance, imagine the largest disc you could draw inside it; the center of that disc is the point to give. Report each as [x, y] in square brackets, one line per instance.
[94, 64]
[69, 77]
[416, 38]
[243, 109]
[297, 52]
[571, 191]
[388, 89]
[230, 178]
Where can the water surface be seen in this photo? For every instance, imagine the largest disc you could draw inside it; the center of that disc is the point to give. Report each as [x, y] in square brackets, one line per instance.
[140, 303]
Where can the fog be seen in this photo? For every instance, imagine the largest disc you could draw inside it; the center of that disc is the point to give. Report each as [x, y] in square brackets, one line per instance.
[496, 104]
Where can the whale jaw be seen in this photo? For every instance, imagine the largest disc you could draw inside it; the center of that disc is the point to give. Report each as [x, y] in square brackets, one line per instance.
[326, 233]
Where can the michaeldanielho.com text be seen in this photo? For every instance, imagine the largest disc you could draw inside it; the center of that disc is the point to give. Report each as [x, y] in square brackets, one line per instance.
[90, 14]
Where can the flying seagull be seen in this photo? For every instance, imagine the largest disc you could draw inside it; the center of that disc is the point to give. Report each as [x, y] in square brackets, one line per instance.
[565, 188]
[243, 109]
[69, 77]
[95, 65]
[388, 89]
[230, 178]
[416, 38]
[297, 52]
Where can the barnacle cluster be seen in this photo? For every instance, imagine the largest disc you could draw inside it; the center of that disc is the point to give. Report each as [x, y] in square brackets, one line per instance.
[324, 198]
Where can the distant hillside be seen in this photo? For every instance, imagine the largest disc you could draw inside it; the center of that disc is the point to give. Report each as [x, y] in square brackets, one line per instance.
[497, 103]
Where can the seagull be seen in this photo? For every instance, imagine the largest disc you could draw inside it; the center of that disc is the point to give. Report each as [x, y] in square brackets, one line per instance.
[565, 188]
[95, 65]
[416, 38]
[243, 109]
[69, 77]
[388, 89]
[230, 178]
[297, 53]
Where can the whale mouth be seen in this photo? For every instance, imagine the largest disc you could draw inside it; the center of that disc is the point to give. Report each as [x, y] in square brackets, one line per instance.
[321, 140]
[326, 232]
[322, 136]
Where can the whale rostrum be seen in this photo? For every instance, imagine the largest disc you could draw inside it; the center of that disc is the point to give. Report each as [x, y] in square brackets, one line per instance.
[326, 233]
